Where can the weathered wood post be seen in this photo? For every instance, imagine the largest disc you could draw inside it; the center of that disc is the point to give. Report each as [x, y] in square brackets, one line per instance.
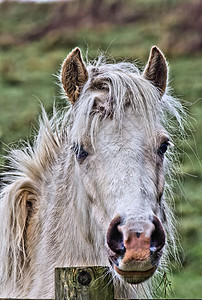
[85, 283]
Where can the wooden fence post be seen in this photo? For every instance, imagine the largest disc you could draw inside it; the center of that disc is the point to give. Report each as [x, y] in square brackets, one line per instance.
[85, 283]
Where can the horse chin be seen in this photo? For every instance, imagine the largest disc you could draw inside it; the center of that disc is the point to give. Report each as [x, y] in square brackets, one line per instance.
[135, 277]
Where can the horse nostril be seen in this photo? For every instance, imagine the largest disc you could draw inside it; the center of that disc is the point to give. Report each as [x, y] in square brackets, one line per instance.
[115, 237]
[157, 237]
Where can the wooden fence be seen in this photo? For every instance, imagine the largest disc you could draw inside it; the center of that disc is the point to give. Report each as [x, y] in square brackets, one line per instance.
[83, 283]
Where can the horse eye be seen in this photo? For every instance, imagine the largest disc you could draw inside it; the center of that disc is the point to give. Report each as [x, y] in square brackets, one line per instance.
[163, 148]
[81, 154]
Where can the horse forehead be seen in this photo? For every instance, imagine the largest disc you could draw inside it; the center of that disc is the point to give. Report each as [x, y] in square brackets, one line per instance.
[132, 130]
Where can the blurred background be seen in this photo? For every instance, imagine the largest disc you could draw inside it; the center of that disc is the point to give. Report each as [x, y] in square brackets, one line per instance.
[35, 37]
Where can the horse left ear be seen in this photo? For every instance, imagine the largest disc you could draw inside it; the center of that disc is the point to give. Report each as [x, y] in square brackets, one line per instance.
[156, 69]
[73, 75]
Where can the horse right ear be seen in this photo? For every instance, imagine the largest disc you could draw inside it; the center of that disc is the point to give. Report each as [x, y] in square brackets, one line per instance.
[73, 75]
[156, 70]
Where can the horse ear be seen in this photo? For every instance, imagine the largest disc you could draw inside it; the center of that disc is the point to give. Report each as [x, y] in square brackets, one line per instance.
[73, 75]
[156, 69]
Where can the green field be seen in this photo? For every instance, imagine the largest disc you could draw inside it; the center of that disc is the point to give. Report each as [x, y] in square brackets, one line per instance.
[34, 40]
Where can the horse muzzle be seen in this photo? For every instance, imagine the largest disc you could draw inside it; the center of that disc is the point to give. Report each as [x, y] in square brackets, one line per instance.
[135, 255]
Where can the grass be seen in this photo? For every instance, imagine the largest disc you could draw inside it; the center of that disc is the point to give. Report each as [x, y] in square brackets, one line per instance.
[26, 80]
[186, 285]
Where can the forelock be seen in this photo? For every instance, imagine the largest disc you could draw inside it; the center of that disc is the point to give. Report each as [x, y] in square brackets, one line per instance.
[111, 89]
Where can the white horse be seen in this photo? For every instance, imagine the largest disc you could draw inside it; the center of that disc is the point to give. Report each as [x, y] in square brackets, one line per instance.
[92, 190]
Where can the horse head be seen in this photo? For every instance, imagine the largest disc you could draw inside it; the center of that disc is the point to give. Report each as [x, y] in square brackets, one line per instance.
[119, 145]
